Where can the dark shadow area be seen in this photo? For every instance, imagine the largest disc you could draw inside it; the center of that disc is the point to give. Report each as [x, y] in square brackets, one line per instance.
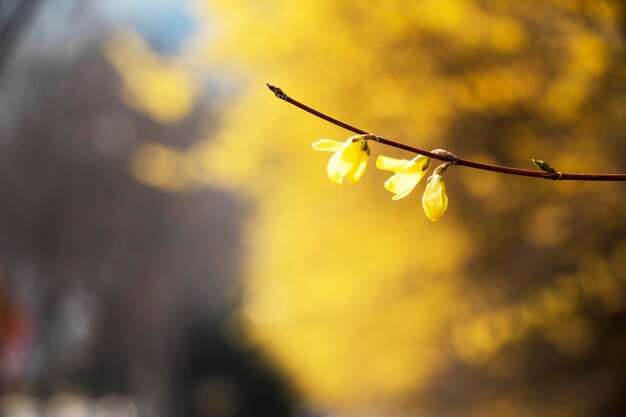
[215, 379]
[105, 282]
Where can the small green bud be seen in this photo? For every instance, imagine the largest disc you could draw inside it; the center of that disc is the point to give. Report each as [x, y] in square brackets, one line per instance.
[544, 166]
[365, 147]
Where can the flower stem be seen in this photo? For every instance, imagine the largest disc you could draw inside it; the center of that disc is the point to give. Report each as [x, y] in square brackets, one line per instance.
[447, 156]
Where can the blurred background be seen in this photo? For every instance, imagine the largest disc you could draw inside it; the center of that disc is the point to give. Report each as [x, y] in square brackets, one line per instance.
[170, 244]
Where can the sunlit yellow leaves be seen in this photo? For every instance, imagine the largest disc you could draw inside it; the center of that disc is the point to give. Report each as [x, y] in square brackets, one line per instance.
[552, 312]
[318, 326]
[573, 335]
[588, 56]
[505, 34]
[265, 301]
[366, 309]
[159, 166]
[549, 228]
[476, 341]
[169, 169]
[466, 23]
[156, 85]
[496, 88]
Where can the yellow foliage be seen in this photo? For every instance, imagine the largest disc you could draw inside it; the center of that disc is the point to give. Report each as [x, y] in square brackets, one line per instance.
[159, 166]
[161, 87]
[347, 292]
[361, 300]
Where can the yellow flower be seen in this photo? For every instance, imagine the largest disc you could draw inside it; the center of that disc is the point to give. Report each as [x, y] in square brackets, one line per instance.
[407, 173]
[435, 200]
[349, 159]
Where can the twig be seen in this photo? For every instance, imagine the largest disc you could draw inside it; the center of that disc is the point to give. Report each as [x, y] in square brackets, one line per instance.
[447, 156]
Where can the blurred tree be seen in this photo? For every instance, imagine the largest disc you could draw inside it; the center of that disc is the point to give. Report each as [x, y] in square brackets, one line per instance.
[101, 275]
[14, 17]
[216, 379]
[514, 303]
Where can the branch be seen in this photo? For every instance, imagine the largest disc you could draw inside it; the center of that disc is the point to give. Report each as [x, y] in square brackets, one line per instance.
[447, 156]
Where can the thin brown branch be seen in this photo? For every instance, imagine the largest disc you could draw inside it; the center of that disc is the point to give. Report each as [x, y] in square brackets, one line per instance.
[447, 156]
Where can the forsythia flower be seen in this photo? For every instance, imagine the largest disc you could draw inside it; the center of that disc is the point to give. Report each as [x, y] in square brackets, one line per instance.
[407, 173]
[349, 159]
[435, 200]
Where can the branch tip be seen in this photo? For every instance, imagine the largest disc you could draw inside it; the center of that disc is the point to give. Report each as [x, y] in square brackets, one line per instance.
[278, 92]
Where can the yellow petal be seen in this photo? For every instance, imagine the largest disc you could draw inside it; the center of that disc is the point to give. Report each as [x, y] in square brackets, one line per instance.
[351, 151]
[335, 168]
[390, 164]
[328, 145]
[435, 200]
[402, 184]
[422, 163]
[360, 168]
[418, 164]
[343, 162]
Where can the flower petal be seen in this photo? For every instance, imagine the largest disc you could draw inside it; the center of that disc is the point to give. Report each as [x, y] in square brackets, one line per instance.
[435, 200]
[360, 168]
[328, 145]
[402, 184]
[351, 152]
[418, 164]
[336, 168]
[390, 164]
[343, 162]
[421, 164]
